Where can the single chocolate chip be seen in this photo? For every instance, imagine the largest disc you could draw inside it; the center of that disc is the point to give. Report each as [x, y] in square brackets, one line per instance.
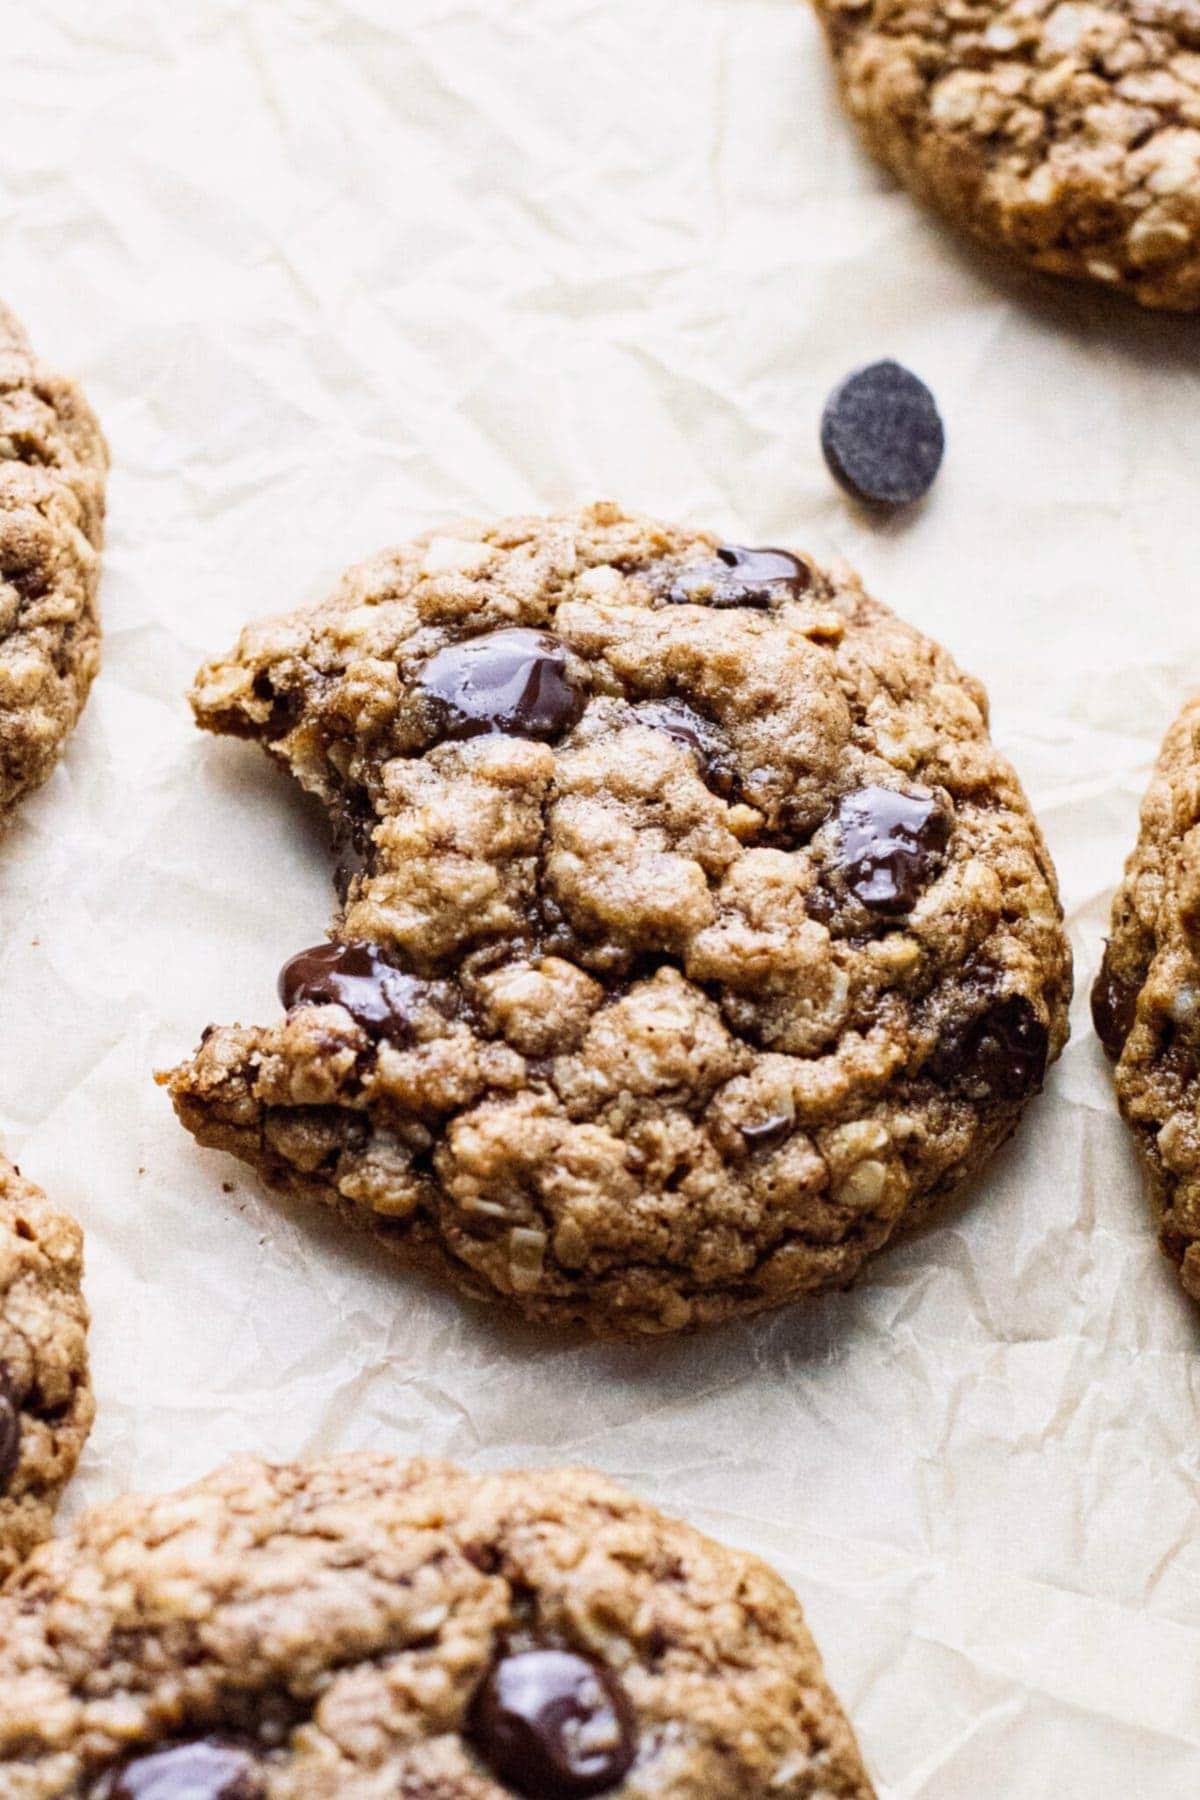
[1114, 1007]
[695, 734]
[515, 682]
[205, 1770]
[10, 1428]
[1003, 1049]
[882, 436]
[553, 1725]
[738, 576]
[890, 845]
[381, 997]
[768, 1133]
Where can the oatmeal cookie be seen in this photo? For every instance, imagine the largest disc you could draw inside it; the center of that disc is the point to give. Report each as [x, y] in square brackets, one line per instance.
[46, 1402]
[1146, 1000]
[1066, 132]
[359, 1628]
[693, 935]
[53, 464]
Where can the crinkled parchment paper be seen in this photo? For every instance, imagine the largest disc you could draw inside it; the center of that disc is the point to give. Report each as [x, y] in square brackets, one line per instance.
[336, 270]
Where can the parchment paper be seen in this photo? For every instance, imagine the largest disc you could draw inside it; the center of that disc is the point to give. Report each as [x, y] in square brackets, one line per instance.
[336, 270]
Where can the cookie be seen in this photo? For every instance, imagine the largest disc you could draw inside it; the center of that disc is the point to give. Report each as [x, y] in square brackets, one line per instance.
[46, 1402]
[359, 1628]
[1146, 999]
[53, 464]
[694, 934]
[1065, 134]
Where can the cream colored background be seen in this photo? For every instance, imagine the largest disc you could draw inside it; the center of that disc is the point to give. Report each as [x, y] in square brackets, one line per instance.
[335, 270]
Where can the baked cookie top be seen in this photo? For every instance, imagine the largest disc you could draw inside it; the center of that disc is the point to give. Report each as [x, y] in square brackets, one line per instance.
[1065, 131]
[1146, 1000]
[46, 1404]
[358, 1628]
[694, 931]
[53, 464]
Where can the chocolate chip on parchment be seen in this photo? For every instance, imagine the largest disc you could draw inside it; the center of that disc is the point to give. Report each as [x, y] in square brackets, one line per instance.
[882, 435]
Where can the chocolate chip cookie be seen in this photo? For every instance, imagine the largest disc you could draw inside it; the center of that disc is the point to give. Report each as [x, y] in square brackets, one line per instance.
[693, 932]
[1063, 132]
[53, 464]
[46, 1402]
[1146, 999]
[360, 1628]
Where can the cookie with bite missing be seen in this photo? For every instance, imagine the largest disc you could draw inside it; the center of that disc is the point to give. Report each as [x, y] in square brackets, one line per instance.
[1146, 997]
[693, 933]
[1065, 134]
[357, 1627]
[53, 466]
[46, 1403]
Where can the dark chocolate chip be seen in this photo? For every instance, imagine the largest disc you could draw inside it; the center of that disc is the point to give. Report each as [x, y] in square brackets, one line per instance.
[383, 999]
[695, 734]
[515, 682]
[1114, 1007]
[890, 847]
[738, 576]
[768, 1133]
[553, 1725]
[205, 1770]
[882, 436]
[10, 1428]
[1003, 1049]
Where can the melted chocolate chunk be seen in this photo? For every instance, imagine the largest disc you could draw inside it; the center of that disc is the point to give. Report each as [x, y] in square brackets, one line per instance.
[1114, 1007]
[205, 1770]
[381, 997]
[10, 1429]
[891, 844]
[769, 1133]
[737, 576]
[882, 436]
[514, 682]
[553, 1725]
[1003, 1049]
[695, 734]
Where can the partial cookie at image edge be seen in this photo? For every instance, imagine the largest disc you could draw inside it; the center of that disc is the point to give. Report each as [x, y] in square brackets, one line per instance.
[53, 468]
[1067, 137]
[357, 1625]
[1146, 997]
